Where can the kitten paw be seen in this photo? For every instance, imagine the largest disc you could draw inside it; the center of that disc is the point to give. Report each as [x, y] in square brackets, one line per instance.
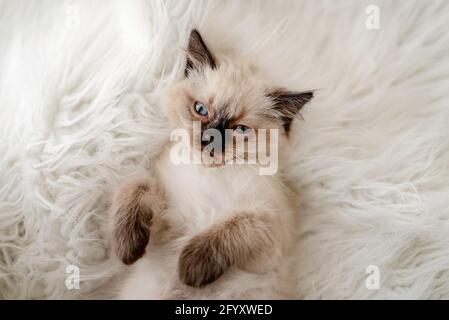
[132, 213]
[200, 263]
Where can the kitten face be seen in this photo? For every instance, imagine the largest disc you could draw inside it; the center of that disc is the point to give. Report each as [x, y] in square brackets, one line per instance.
[228, 99]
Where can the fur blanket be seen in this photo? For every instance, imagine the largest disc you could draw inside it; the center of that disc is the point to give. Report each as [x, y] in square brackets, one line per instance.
[79, 111]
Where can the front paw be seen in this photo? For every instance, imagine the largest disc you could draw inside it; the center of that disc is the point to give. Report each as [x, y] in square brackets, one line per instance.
[132, 213]
[201, 262]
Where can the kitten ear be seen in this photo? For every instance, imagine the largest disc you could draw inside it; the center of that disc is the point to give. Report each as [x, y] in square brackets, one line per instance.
[198, 54]
[286, 105]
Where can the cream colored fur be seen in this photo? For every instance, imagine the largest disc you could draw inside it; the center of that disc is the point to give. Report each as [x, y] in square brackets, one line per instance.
[198, 198]
[227, 223]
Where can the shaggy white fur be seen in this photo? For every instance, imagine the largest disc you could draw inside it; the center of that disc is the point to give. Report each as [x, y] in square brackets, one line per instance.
[79, 88]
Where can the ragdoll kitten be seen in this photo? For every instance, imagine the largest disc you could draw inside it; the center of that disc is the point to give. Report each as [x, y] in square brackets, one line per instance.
[212, 230]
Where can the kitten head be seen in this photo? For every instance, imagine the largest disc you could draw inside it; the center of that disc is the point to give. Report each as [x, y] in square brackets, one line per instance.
[231, 97]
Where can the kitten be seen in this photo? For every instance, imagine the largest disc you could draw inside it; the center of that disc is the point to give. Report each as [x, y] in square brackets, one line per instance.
[212, 230]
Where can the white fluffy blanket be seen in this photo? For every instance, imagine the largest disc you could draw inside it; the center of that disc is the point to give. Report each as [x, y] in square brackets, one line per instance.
[79, 88]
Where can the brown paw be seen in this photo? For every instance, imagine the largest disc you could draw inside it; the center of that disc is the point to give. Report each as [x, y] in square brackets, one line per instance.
[201, 262]
[131, 241]
[132, 217]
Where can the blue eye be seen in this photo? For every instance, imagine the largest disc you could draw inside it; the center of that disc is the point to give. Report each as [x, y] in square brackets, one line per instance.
[242, 129]
[200, 108]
